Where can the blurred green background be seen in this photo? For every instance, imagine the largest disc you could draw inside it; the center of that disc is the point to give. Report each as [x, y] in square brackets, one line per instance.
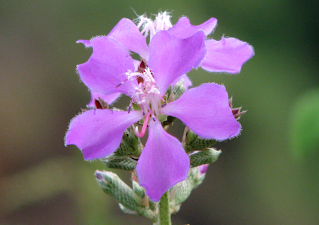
[269, 175]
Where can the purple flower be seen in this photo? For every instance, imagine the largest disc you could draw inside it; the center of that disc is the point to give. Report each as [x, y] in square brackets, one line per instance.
[227, 55]
[111, 71]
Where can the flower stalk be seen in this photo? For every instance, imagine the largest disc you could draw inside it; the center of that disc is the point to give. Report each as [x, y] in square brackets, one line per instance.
[164, 210]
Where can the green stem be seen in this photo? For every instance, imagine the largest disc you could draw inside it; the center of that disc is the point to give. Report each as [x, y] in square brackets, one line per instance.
[164, 211]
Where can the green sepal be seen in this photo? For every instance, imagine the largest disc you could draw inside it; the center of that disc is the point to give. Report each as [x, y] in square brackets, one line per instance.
[127, 210]
[130, 144]
[169, 120]
[152, 205]
[168, 93]
[179, 89]
[162, 118]
[181, 191]
[191, 137]
[194, 142]
[204, 157]
[121, 158]
[136, 107]
[138, 190]
[125, 163]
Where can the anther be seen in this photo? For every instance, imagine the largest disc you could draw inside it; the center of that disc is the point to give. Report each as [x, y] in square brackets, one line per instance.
[129, 108]
[121, 83]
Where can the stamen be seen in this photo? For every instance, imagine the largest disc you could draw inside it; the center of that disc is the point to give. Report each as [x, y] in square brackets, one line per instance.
[129, 107]
[144, 126]
[151, 27]
[121, 83]
[145, 93]
[141, 20]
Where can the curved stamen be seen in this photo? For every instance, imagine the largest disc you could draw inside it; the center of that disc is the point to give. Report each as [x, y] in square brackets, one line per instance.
[144, 126]
[121, 83]
[129, 107]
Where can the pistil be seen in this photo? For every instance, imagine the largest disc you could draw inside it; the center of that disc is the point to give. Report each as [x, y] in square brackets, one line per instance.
[147, 117]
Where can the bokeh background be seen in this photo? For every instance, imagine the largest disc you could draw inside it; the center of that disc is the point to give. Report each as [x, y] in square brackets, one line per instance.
[269, 175]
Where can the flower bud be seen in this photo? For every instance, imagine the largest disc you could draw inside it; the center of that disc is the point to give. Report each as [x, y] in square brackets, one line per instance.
[200, 175]
[204, 157]
[194, 142]
[181, 191]
[123, 163]
[129, 201]
[236, 111]
[115, 187]
[179, 89]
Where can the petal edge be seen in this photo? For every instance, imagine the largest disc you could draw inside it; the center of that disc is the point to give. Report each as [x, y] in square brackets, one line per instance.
[205, 110]
[227, 55]
[98, 133]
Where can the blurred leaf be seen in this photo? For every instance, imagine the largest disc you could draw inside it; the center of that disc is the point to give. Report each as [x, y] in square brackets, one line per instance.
[304, 132]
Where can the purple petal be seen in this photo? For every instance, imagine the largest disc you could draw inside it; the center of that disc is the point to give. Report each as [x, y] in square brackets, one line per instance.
[128, 34]
[109, 99]
[136, 64]
[163, 162]
[205, 110]
[227, 55]
[184, 29]
[99, 132]
[87, 43]
[171, 57]
[106, 67]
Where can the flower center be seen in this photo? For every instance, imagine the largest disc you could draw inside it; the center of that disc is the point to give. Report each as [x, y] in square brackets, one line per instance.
[146, 94]
[151, 27]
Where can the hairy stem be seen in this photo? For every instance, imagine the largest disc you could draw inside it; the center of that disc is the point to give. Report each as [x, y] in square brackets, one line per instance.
[164, 211]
